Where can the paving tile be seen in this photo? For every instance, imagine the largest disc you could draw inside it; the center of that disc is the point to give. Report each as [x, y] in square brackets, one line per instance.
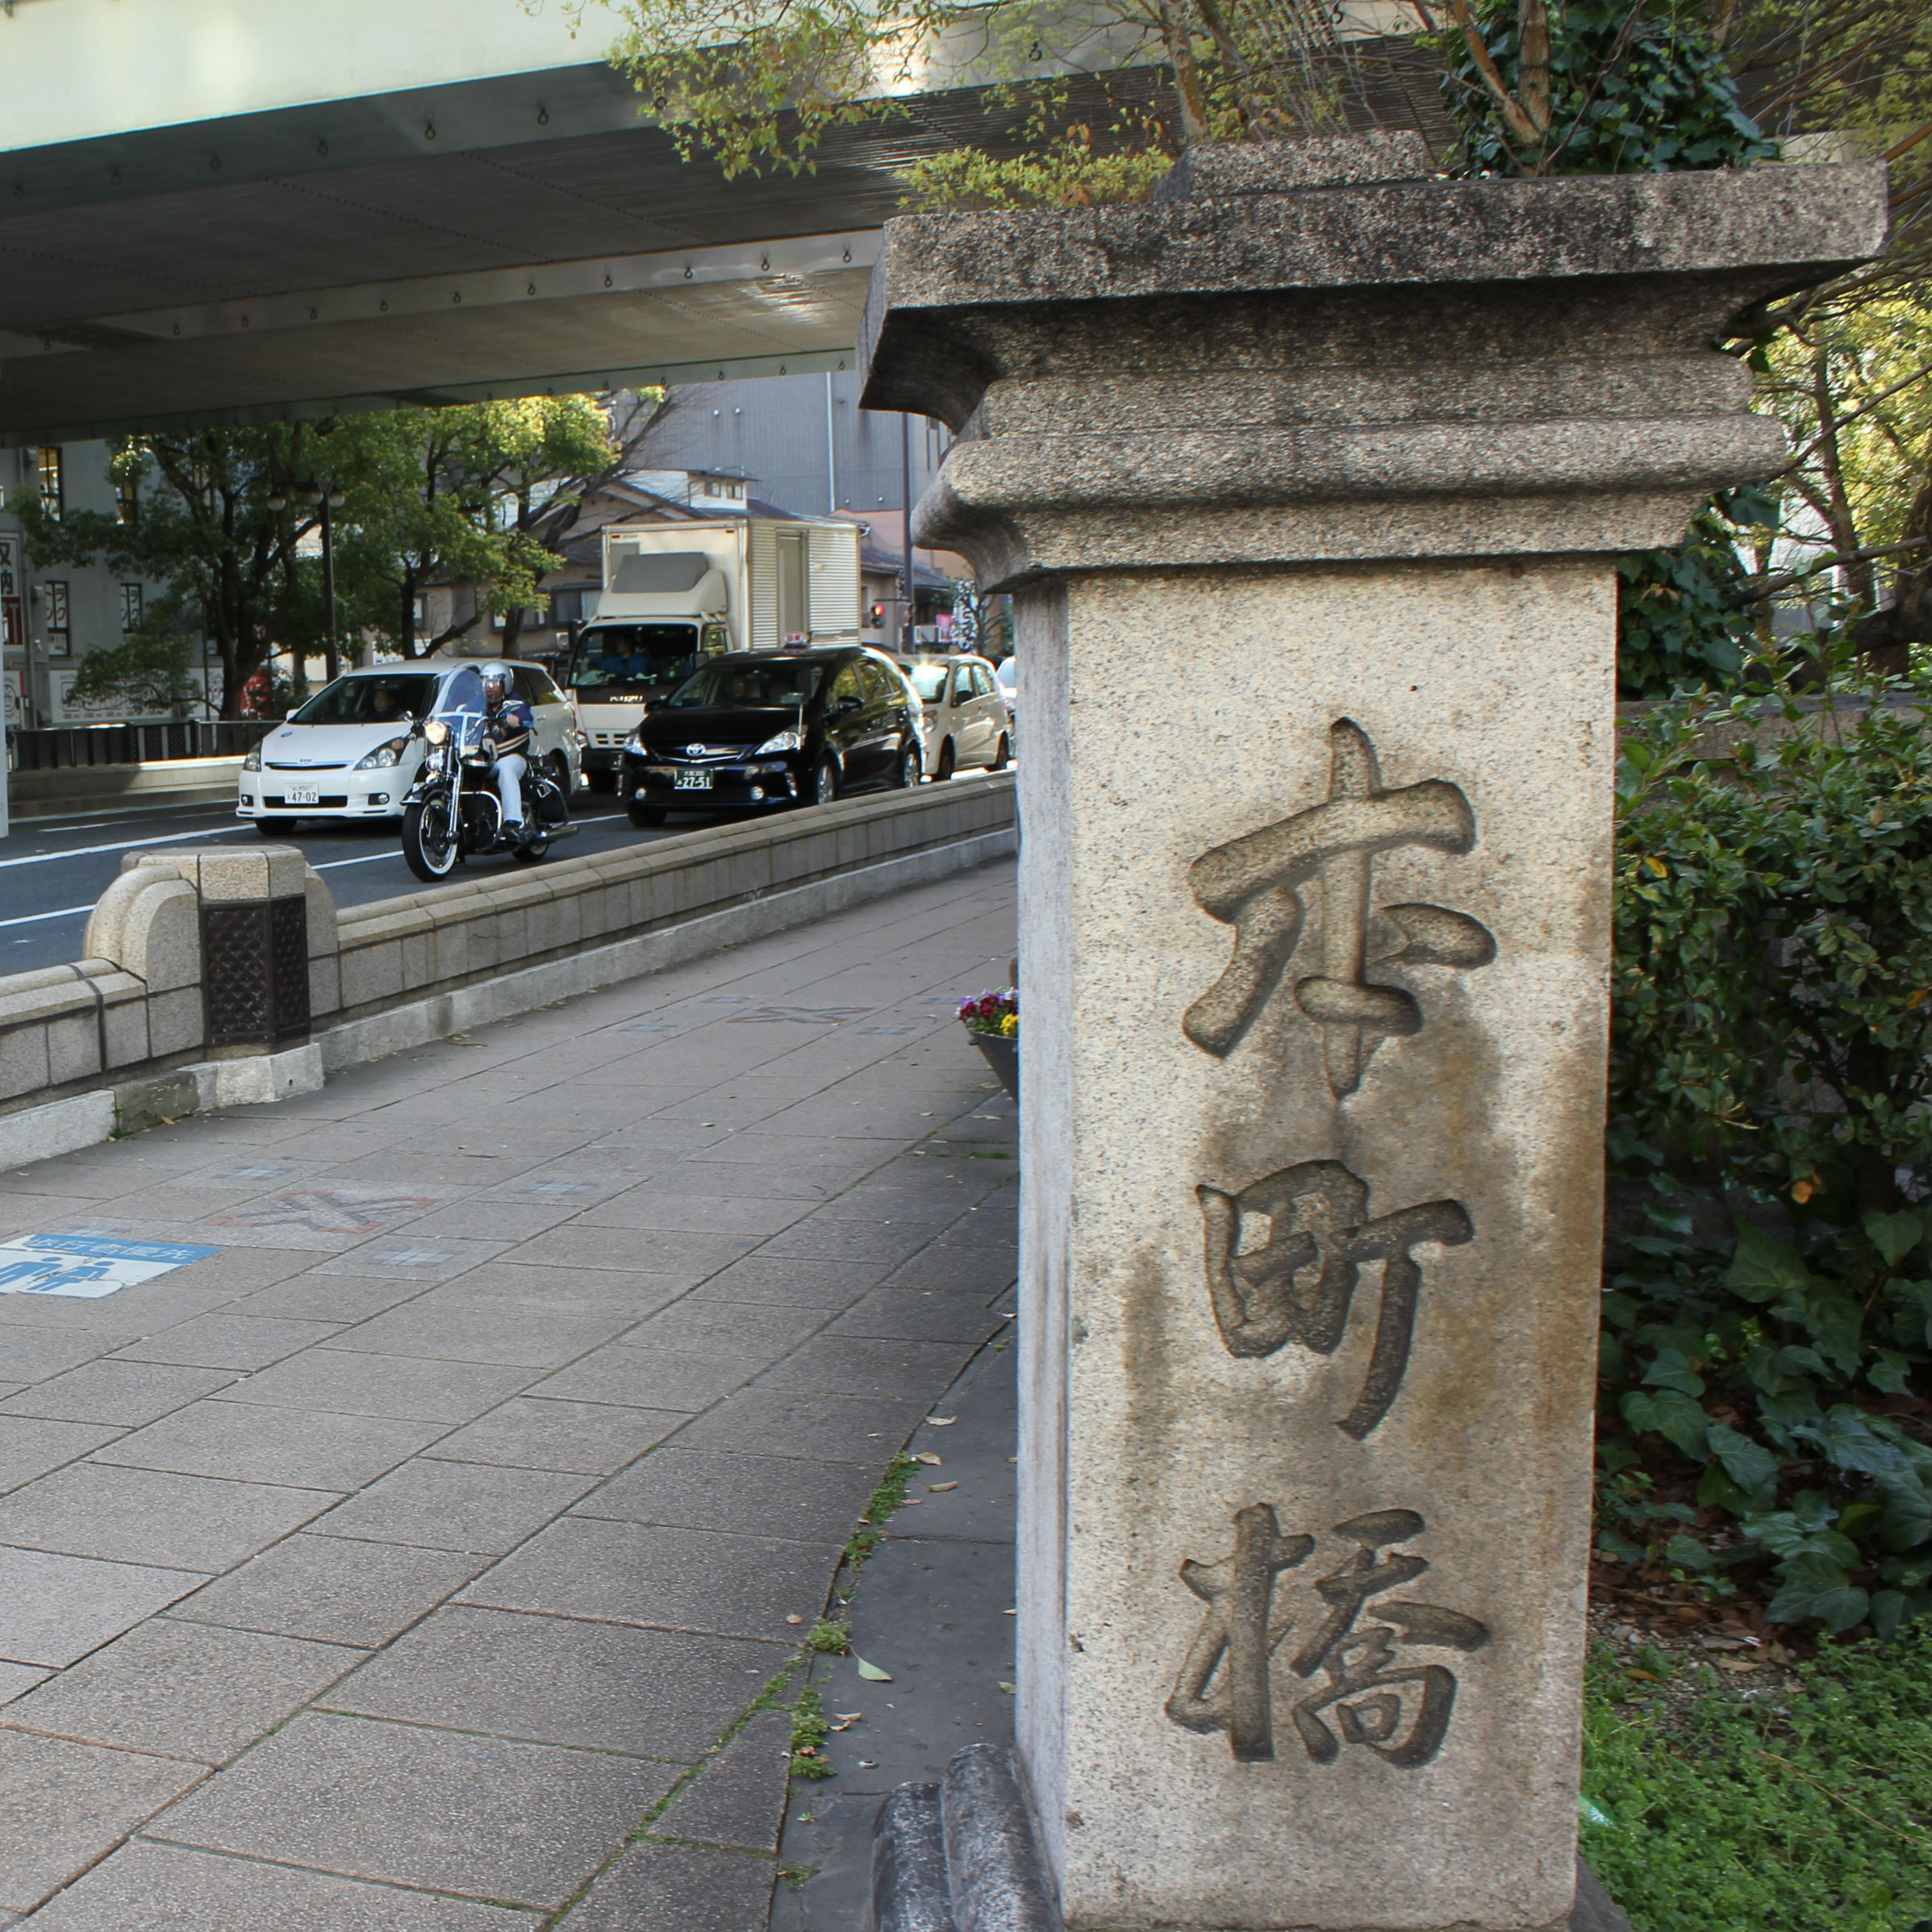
[525, 1824]
[459, 1330]
[55, 1608]
[29, 1448]
[847, 1365]
[830, 1285]
[677, 1580]
[332, 1589]
[30, 1351]
[336, 1298]
[919, 1315]
[758, 1495]
[657, 1206]
[183, 1690]
[753, 1331]
[527, 1432]
[576, 1294]
[461, 1506]
[17, 1679]
[405, 1252]
[688, 1257]
[970, 1271]
[145, 1515]
[681, 1890]
[788, 1422]
[408, 1388]
[149, 1888]
[562, 1680]
[63, 1805]
[129, 1393]
[228, 1341]
[738, 1798]
[649, 1378]
[256, 1442]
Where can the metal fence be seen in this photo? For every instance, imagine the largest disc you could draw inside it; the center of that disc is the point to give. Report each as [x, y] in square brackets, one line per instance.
[66, 745]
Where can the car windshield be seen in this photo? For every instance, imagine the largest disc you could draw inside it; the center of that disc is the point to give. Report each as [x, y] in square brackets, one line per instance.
[622, 657]
[379, 700]
[929, 681]
[734, 682]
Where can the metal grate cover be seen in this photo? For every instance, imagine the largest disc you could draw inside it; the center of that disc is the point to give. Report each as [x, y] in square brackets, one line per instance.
[255, 971]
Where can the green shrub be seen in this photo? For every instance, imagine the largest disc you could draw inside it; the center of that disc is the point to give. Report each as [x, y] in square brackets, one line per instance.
[1772, 1027]
[1790, 1811]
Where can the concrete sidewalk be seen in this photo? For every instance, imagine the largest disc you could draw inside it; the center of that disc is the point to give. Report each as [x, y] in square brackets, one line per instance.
[388, 1570]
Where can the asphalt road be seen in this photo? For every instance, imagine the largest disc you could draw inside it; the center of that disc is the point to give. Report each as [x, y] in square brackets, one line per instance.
[52, 871]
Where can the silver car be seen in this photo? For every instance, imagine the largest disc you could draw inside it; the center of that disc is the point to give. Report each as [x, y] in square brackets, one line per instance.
[966, 721]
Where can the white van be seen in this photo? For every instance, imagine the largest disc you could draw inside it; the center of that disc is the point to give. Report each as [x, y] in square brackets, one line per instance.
[350, 752]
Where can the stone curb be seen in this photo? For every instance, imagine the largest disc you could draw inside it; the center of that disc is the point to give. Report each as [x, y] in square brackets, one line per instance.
[959, 1856]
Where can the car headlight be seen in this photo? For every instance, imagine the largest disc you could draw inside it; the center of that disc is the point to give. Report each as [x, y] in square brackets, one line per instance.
[387, 753]
[783, 741]
[436, 732]
[252, 761]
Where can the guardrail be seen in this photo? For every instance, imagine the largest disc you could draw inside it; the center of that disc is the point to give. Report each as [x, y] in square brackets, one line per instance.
[62, 747]
[219, 978]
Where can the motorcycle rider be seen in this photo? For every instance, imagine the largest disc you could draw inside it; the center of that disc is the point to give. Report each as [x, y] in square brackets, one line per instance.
[508, 723]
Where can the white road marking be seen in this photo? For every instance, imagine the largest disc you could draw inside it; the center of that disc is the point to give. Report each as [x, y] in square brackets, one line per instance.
[65, 913]
[126, 844]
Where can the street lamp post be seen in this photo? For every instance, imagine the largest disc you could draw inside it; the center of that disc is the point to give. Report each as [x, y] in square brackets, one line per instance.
[327, 497]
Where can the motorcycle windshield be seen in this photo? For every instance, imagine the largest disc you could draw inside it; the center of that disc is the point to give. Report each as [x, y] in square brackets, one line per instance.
[460, 705]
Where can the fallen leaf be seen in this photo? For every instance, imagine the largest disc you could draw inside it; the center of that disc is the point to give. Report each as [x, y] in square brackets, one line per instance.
[913, 1502]
[848, 1717]
[1009, 1612]
[926, 1456]
[1009, 1689]
[936, 1487]
[940, 1422]
[868, 1764]
[794, 1620]
[871, 1672]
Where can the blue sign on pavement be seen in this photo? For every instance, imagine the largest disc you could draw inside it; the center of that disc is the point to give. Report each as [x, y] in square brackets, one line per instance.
[87, 1265]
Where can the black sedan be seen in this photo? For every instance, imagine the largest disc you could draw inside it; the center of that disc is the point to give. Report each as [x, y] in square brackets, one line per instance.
[770, 728]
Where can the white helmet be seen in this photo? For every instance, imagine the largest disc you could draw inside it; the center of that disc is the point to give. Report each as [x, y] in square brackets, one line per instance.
[498, 675]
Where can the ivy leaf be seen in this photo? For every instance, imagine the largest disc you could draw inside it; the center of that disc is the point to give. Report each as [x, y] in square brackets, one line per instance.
[1748, 1464]
[1764, 1269]
[1672, 1415]
[1687, 1552]
[1813, 1586]
[1887, 1370]
[1848, 1444]
[1671, 1369]
[1904, 1520]
[1888, 1613]
[1895, 1235]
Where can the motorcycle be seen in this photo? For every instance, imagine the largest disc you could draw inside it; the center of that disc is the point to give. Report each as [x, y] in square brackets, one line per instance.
[452, 812]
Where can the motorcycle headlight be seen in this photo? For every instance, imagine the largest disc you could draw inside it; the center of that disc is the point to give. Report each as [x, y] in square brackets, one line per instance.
[783, 741]
[386, 754]
[252, 761]
[436, 732]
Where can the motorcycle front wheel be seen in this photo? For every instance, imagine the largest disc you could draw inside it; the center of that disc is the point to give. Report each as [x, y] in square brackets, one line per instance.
[430, 844]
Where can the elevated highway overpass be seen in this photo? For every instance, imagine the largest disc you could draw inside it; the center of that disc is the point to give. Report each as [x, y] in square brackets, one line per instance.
[229, 210]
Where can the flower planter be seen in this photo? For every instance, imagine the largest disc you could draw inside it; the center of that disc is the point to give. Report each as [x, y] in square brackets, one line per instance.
[1002, 1055]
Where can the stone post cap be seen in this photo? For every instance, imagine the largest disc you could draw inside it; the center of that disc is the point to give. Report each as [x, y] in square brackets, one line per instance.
[1304, 351]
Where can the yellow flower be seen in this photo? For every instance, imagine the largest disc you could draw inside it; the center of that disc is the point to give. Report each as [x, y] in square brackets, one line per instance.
[1010, 1025]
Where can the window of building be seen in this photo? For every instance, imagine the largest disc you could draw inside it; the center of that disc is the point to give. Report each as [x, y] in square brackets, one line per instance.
[59, 643]
[131, 606]
[53, 489]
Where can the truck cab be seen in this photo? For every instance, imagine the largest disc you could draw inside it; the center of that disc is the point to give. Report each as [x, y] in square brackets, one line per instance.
[621, 669]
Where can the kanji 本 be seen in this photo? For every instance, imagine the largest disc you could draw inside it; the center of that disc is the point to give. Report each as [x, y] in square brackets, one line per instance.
[1254, 884]
[1299, 1284]
[1370, 1693]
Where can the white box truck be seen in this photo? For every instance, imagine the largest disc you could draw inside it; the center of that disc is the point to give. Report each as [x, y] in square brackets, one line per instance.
[673, 593]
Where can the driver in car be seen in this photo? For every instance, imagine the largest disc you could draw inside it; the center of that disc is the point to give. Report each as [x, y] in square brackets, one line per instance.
[508, 723]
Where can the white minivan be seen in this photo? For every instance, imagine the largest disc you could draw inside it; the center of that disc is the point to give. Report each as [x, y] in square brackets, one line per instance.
[352, 752]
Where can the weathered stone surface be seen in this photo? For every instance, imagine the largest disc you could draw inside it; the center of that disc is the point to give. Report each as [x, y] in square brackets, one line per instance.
[1315, 893]
[1237, 374]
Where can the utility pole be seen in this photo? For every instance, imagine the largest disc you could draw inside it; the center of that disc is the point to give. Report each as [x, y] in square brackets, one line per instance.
[905, 564]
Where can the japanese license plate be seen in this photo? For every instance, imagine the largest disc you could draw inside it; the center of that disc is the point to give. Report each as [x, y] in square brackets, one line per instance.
[691, 780]
[301, 794]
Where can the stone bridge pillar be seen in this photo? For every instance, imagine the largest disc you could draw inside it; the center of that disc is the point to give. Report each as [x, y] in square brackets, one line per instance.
[1307, 478]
